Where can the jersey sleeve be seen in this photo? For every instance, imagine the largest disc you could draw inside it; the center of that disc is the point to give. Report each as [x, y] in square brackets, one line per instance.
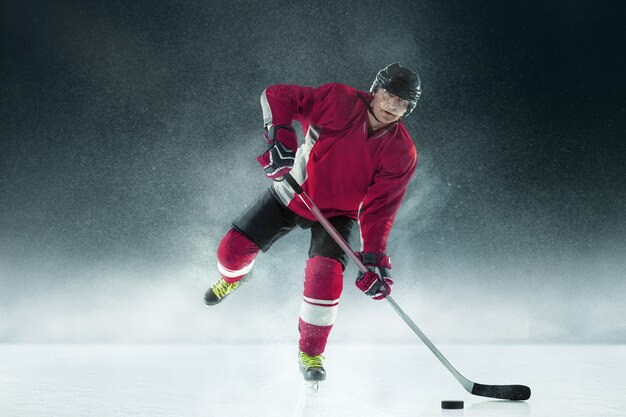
[384, 196]
[328, 105]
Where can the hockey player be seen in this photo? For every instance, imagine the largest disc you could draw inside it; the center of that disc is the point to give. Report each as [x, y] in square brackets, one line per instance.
[355, 164]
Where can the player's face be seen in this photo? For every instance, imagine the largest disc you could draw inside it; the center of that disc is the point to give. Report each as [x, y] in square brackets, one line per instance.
[388, 108]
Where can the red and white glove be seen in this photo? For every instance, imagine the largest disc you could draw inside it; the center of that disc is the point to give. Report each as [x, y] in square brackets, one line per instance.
[279, 157]
[376, 285]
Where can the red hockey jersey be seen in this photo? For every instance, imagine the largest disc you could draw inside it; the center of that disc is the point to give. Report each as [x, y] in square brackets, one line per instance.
[344, 171]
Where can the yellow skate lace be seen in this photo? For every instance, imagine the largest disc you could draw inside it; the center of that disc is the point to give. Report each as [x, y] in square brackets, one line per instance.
[309, 362]
[221, 288]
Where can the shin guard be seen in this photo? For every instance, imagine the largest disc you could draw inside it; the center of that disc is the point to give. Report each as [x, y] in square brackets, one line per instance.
[323, 283]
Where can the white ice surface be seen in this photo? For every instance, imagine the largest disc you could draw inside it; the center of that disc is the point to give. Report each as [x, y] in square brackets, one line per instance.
[263, 380]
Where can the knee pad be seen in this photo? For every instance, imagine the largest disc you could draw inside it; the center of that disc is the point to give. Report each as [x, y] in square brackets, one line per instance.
[235, 255]
[323, 278]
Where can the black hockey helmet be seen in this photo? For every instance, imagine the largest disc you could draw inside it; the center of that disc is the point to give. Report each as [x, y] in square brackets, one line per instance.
[399, 81]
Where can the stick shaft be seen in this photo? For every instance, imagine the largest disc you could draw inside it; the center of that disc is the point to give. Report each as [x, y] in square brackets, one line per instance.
[325, 223]
[509, 392]
[467, 384]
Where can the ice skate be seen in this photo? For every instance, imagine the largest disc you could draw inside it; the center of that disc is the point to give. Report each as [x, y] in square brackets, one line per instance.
[312, 369]
[221, 289]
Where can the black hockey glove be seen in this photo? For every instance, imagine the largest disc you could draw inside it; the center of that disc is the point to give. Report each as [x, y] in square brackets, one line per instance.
[279, 157]
[376, 285]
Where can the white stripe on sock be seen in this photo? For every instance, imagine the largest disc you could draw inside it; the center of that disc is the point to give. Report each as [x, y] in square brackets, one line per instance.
[230, 273]
[316, 301]
[318, 315]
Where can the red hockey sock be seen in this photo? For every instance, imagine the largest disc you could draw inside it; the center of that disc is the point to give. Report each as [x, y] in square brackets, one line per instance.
[235, 256]
[323, 283]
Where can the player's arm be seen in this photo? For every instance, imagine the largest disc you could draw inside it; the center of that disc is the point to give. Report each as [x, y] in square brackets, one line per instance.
[376, 217]
[281, 105]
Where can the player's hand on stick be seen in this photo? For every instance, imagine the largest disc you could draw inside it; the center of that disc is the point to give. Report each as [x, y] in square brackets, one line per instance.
[377, 281]
[280, 155]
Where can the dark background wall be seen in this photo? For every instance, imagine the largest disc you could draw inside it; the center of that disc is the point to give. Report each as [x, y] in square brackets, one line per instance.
[128, 137]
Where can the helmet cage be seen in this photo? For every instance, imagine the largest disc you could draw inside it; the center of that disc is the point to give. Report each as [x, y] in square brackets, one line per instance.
[399, 85]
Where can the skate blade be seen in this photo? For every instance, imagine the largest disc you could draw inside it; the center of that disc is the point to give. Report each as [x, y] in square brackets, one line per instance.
[312, 385]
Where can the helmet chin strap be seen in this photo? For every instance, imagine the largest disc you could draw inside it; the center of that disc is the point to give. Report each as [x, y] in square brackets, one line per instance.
[369, 108]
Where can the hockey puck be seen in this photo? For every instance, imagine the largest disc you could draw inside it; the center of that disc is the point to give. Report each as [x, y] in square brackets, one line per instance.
[452, 405]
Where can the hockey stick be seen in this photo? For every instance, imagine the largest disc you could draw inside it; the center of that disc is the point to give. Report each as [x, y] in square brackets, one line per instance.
[505, 392]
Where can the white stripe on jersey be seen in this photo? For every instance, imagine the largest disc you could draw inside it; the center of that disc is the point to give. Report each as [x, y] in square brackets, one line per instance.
[267, 111]
[283, 190]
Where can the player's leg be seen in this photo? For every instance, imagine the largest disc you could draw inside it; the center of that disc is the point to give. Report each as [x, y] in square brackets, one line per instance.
[323, 284]
[255, 230]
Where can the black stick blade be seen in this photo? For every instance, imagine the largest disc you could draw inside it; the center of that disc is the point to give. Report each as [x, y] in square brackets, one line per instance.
[505, 392]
